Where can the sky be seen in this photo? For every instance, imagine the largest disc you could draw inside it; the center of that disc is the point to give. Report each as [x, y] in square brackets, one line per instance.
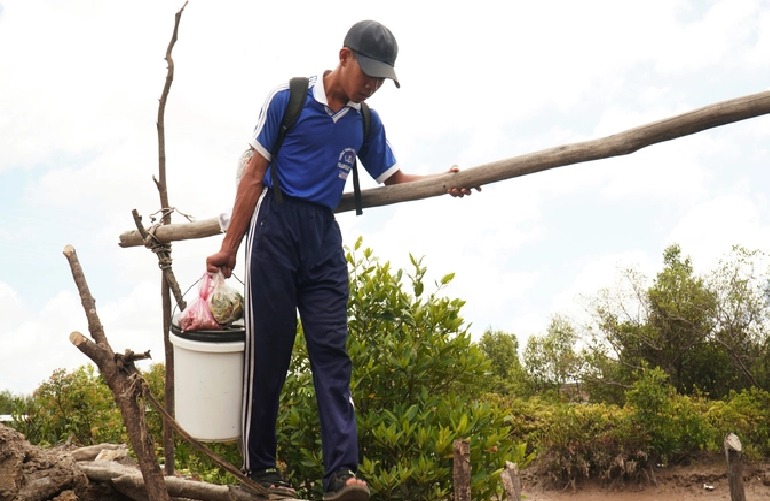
[481, 81]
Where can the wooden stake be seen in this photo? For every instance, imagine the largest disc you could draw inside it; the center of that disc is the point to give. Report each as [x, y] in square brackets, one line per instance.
[623, 143]
[734, 467]
[512, 481]
[462, 470]
[160, 182]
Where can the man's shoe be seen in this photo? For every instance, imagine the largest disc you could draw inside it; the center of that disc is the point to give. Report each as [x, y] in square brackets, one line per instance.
[271, 480]
[339, 490]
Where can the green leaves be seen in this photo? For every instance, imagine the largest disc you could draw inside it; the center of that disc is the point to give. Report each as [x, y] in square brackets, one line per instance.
[706, 331]
[415, 385]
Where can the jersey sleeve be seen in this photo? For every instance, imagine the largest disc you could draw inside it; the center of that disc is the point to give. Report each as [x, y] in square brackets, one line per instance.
[270, 118]
[376, 154]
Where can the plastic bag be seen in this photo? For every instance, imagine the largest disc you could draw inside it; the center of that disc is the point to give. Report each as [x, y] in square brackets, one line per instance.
[226, 303]
[197, 316]
[243, 161]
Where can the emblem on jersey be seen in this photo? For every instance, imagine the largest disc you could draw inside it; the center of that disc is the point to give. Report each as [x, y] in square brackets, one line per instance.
[346, 161]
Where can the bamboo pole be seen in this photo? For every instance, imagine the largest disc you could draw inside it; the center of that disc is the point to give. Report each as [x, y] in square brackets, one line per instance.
[622, 143]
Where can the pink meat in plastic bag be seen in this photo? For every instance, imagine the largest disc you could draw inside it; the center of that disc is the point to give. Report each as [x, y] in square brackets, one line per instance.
[197, 316]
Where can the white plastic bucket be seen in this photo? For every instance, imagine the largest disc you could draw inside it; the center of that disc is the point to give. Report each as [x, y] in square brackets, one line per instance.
[208, 383]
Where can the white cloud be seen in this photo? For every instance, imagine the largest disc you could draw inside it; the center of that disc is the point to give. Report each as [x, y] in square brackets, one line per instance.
[708, 41]
[600, 273]
[758, 55]
[669, 170]
[77, 132]
[525, 326]
[35, 343]
[709, 230]
[10, 304]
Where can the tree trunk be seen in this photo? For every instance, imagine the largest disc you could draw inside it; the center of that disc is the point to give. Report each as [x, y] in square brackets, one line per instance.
[462, 470]
[622, 143]
[29, 473]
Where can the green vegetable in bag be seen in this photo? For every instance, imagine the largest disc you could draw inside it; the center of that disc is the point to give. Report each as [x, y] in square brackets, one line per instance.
[226, 303]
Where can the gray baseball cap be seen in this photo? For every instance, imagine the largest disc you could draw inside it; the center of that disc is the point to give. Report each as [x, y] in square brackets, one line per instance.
[375, 48]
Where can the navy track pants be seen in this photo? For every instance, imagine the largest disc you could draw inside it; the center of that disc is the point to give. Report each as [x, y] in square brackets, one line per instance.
[295, 261]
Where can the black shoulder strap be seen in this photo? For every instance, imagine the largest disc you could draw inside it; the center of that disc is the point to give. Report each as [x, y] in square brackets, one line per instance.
[366, 120]
[366, 115]
[297, 96]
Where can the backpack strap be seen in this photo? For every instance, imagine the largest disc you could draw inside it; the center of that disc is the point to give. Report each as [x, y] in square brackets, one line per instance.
[297, 96]
[366, 115]
[366, 120]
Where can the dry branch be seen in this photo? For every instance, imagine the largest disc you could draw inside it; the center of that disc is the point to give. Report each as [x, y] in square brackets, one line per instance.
[623, 143]
[86, 299]
[161, 182]
[129, 482]
[171, 422]
[89, 452]
[119, 377]
[167, 280]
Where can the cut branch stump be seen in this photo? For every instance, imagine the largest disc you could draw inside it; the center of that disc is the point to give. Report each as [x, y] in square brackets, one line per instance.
[462, 469]
[90, 452]
[734, 467]
[512, 481]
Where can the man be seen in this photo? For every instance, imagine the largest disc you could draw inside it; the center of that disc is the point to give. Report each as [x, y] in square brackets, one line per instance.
[294, 253]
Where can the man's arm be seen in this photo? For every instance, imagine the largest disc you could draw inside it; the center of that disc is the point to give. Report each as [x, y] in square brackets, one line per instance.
[400, 177]
[246, 197]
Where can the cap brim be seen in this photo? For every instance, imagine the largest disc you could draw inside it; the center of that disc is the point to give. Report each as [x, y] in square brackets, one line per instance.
[377, 69]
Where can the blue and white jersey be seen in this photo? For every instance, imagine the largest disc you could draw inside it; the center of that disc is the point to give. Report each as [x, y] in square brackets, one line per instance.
[319, 151]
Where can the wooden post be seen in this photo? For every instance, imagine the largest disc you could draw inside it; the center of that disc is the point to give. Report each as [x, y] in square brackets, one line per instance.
[512, 481]
[168, 383]
[160, 182]
[734, 467]
[462, 469]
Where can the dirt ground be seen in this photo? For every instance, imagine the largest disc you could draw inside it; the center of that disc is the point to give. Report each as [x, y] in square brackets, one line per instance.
[674, 483]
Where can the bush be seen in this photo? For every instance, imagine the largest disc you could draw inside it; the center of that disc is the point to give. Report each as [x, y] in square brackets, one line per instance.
[78, 404]
[673, 426]
[187, 459]
[584, 441]
[747, 414]
[414, 384]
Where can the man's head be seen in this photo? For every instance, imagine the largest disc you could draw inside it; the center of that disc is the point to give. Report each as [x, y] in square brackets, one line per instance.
[368, 57]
